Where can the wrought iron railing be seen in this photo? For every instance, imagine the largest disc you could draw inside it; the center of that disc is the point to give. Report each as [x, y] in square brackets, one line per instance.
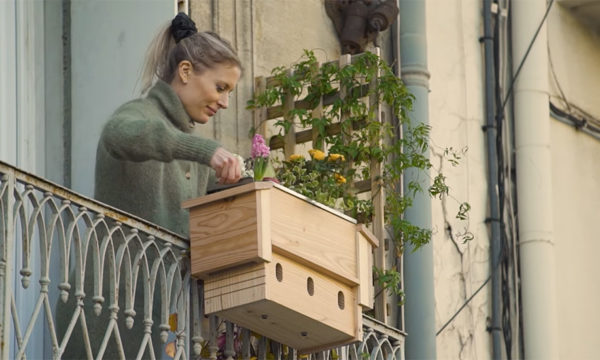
[79, 279]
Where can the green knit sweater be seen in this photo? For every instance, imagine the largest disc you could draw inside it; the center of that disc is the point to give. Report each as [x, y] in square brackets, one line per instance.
[148, 161]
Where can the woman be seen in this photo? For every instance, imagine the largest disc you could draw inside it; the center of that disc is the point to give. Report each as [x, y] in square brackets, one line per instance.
[148, 161]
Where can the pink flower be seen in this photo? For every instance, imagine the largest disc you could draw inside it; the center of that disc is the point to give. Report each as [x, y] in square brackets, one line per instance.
[260, 154]
[259, 148]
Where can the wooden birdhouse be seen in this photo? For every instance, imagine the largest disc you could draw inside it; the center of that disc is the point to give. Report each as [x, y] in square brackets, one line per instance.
[282, 265]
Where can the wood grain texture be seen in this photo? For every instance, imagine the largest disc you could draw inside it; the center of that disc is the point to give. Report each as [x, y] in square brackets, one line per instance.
[224, 234]
[290, 136]
[303, 240]
[318, 238]
[243, 296]
[368, 235]
[259, 115]
[263, 223]
[247, 283]
[365, 270]
[284, 310]
[226, 281]
[249, 222]
[322, 306]
[259, 185]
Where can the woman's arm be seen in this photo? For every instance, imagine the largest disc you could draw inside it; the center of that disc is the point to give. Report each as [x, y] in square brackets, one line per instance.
[136, 135]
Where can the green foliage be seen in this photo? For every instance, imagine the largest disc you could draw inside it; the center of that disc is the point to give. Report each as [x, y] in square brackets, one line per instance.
[314, 179]
[361, 141]
[388, 280]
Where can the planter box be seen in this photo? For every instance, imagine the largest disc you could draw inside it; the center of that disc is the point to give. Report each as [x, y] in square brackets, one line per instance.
[282, 265]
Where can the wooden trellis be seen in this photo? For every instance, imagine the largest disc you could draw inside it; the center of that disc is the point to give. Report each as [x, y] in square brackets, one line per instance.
[295, 137]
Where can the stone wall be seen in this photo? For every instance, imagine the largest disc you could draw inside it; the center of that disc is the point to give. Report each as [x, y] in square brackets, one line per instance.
[266, 34]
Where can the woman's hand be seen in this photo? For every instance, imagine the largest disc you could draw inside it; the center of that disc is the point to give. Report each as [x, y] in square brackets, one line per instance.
[226, 165]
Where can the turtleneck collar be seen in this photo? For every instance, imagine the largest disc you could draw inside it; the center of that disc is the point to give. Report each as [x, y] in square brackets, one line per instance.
[168, 101]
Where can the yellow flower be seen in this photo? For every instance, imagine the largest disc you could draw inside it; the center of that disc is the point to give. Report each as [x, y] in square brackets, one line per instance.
[339, 178]
[170, 349]
[296, 157]
[173, 322]
[335, 157]
[316, 154]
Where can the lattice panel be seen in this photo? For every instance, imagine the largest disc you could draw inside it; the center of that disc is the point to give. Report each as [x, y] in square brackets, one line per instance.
[298, 139]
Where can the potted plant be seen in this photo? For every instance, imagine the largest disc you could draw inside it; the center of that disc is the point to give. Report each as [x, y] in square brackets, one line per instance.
[281, 264]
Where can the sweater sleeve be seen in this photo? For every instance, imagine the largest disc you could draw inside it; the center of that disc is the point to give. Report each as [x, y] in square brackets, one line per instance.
[134, 135]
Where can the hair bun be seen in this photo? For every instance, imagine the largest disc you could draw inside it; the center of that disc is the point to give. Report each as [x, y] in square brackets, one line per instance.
[182, 26]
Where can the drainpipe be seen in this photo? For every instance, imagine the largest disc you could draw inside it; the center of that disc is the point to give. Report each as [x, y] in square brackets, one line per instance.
[534, 182]
[419, 303]
[492, 156]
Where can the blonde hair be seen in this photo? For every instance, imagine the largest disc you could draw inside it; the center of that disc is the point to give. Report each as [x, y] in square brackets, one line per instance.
[203, 49]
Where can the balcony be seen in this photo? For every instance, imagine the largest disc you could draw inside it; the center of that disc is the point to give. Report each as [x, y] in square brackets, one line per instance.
[59, 248]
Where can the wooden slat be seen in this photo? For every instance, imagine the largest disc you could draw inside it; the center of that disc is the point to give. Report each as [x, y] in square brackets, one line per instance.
[369, 236]
[243, 225]
[316, 114]
[283, 308]
[289, 146]
[226, 235]
[362, 186]
[365, 240]
[274, 112]
[259, 185]
[383, 300]
[304, 235]
[277, 142]
[344, 61]
[234, 280]
[263, 224]
[260, 114]
[364, 269]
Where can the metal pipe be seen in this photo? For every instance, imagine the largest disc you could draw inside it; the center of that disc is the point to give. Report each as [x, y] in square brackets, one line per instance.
[534, 182]
[418, 265]
[492, 156]
[579, 124]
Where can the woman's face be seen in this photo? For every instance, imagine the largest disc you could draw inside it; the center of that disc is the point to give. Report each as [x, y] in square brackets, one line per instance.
[203, 94]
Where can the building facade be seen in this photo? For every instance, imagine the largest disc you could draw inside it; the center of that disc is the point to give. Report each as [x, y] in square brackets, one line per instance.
[522, 286]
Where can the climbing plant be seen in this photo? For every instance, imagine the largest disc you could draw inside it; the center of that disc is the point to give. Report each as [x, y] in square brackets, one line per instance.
[348, 139]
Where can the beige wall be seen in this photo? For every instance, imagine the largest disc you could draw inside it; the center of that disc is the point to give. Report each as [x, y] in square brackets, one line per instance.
[576, 180]
[285, 28]
[575, 53]
[456, 117]
[233, 21]
[266, 33]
